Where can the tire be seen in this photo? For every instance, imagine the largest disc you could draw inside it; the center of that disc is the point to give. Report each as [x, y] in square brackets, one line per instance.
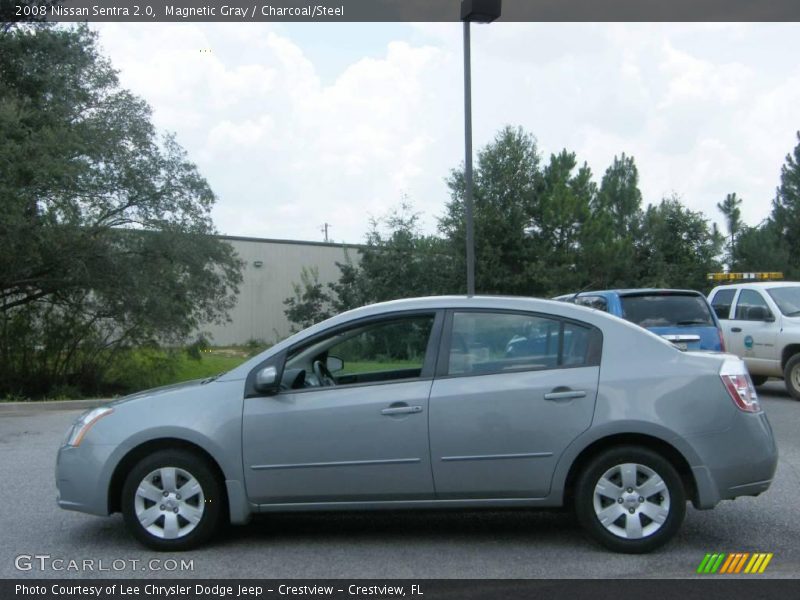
[175, 521]
[666, 503]
[791, 375]
[759, 379]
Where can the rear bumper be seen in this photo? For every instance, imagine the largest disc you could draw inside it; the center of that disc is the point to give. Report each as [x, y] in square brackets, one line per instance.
[740, 461]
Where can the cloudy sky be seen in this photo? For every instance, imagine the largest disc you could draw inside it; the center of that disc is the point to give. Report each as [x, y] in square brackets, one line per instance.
[295, 125]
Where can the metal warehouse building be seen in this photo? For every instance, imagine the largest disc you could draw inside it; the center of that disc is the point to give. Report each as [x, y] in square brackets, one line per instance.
[270, 269]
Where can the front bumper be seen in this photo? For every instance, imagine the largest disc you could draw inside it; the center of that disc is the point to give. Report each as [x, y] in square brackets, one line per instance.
[740, 461]
[81, 481]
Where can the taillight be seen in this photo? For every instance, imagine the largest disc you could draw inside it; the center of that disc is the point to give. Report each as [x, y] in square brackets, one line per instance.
[739, 385]
[721, 340]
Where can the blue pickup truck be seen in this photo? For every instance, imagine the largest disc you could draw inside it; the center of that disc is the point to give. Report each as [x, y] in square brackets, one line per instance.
[684, 317]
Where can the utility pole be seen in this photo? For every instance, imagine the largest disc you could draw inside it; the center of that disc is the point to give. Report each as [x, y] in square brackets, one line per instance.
[324, 229]
[479, 11]
[470, 225]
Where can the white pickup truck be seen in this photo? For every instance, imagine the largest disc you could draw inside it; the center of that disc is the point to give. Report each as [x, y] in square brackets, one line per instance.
[761, 324]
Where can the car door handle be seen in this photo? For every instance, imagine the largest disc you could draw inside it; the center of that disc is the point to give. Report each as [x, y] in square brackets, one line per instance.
[401, 410]
[736, 329]
[563, 394]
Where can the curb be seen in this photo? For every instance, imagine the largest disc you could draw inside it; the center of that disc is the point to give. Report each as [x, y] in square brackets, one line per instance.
[7, 407]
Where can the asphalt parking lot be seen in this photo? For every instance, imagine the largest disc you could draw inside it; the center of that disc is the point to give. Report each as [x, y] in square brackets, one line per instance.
[490, 544]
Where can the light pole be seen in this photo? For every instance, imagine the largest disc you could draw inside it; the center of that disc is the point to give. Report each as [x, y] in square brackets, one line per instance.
[479, 11]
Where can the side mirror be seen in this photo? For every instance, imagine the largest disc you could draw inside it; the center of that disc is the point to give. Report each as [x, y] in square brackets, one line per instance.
[267, 380]
[334, 364]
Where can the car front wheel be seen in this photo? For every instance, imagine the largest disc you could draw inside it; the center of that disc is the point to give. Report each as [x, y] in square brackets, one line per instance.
[172, 500]
[791, 375]
[630, 499]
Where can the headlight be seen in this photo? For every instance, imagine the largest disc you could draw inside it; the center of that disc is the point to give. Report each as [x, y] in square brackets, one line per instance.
[84, 424]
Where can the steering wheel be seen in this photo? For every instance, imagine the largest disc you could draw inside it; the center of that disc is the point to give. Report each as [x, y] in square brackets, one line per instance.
[323, 374]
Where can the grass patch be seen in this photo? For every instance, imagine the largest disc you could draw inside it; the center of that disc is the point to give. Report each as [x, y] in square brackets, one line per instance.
[135, 369]
[143, 368]
[351, 368]
[210, 363]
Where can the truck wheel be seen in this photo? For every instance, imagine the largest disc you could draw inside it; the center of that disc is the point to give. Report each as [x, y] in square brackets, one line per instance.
[759, 379]
[791, 375]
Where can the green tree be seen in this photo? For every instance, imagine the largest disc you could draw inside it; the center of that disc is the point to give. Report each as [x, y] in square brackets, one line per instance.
[762, 248]
[10, 17]
[106, 228]
[397, 261]
[311, 302]
[609, 236]
[558, 214]
[733, 221]
[619, 196]
[505, 188]
[786, 206]
[677, 245]
[352, 289]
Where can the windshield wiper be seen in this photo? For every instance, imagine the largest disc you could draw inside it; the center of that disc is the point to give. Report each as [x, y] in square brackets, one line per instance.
[794, 313]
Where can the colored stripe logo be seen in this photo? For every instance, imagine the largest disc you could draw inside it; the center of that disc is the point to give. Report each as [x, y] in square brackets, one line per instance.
[734, 563]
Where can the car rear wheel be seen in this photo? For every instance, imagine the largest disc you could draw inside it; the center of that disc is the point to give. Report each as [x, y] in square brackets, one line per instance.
[630, 499]
[172, 500]
[791, 375]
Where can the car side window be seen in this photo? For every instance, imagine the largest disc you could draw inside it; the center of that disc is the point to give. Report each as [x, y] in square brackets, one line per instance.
[722, 301]
[483, 343]
[596, 302]
[751, 306]
[375, 352]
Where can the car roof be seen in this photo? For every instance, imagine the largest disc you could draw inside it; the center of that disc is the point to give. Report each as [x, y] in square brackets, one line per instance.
[760, 285]
[456, 301]
[636, 292]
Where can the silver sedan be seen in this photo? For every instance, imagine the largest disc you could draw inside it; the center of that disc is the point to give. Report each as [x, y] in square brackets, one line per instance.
[429, 403]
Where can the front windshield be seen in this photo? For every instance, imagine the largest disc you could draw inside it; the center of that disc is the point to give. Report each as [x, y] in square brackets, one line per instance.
[787, 299]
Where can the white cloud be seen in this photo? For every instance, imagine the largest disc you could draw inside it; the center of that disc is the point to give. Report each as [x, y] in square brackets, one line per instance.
[705, 109]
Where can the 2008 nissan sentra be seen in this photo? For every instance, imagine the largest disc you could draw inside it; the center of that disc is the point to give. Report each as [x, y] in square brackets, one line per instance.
[418, 404]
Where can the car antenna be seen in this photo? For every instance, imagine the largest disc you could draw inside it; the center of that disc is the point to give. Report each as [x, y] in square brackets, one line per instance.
[574, 296]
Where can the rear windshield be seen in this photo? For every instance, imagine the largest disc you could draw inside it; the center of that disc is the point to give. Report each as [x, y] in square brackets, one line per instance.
[667, 310]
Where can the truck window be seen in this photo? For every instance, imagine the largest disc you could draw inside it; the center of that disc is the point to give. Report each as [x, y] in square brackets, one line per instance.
[748, 301]
[722, 301]
[787, 299]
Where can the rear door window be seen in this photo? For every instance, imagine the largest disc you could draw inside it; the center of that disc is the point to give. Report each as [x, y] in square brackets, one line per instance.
[722, 301]
[751, 306]
[667, 310]
[483, 343]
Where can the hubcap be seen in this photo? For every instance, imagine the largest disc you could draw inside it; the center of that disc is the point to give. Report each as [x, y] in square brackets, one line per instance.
[631, 501]
[169, 502]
